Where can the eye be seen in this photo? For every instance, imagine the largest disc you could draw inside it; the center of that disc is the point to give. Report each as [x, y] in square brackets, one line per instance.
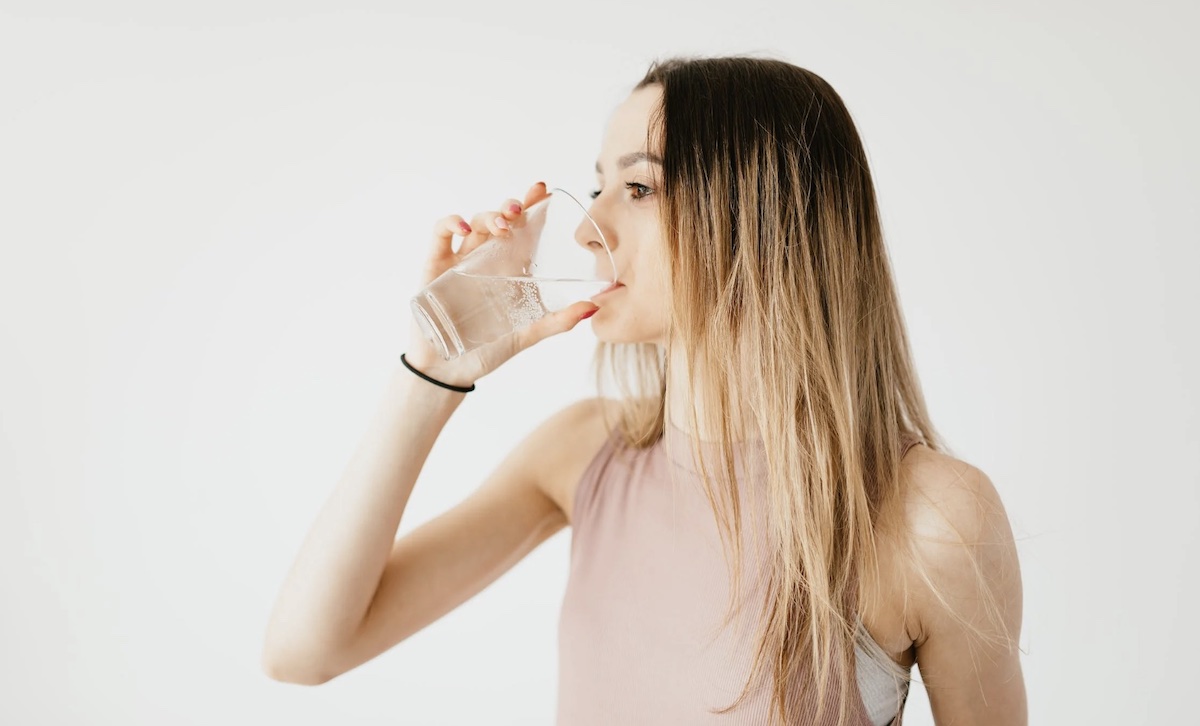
[641, 190]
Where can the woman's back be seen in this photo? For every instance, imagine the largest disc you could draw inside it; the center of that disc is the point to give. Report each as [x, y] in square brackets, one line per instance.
[639, 634]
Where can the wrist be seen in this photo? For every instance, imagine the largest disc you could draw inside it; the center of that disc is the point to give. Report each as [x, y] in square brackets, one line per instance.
[435, 375]
[412, 388]
[422, 361]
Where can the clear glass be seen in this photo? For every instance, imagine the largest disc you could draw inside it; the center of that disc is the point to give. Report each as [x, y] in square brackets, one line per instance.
[556, 255]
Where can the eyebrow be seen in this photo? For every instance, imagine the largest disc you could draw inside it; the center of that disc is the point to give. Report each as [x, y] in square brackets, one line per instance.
[630, 159]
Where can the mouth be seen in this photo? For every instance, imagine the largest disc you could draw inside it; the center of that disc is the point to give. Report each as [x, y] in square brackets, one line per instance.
[611, 288]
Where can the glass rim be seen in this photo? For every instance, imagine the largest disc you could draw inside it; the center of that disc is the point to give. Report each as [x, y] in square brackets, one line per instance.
[607, 250]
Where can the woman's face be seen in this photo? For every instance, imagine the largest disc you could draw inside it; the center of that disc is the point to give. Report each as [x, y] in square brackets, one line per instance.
[625, 206]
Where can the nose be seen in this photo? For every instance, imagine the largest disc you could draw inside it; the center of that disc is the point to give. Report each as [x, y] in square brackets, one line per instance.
[595, 239]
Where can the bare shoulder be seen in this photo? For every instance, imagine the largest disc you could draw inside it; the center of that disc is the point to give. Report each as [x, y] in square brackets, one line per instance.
[950, 506]
[954, 516]
[964, 584]
[563, 445]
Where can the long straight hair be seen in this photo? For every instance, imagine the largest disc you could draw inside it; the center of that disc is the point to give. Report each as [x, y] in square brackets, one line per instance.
[777, 265]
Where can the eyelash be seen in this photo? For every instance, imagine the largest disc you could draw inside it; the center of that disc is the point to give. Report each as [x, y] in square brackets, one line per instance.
[646, 191]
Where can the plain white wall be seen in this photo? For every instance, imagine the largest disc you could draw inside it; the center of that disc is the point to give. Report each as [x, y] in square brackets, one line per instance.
[211, 221]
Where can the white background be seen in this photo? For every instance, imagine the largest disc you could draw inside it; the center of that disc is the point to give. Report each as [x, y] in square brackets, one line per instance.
[211, 220]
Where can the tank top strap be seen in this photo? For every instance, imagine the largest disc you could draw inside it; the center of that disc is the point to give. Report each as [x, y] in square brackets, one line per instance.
[908, 440]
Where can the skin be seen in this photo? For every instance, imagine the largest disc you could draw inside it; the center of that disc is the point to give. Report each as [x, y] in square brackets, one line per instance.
[948, 497]
[629, 219]
[394, 588]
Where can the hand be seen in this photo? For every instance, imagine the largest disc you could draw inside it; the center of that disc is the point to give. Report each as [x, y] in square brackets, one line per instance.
[473, 365]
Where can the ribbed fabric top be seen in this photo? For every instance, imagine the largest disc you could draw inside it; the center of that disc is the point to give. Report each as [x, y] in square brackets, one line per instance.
[640, 640]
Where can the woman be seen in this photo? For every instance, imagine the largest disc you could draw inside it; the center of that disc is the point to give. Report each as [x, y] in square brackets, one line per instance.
[710, 582]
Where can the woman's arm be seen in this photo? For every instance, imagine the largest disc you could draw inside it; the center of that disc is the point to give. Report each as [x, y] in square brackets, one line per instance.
[449, 559]
[353, 590]
[333, 579]
[964, 541]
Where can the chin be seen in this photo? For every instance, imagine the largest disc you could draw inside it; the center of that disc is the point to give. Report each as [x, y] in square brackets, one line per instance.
[613, 331]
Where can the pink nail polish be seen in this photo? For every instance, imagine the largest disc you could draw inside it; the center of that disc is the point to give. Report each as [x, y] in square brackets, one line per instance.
[589, 314]
[515, 209]
[501, 223]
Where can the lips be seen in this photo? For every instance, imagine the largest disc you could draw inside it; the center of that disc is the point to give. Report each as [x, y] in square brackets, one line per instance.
[610, 288]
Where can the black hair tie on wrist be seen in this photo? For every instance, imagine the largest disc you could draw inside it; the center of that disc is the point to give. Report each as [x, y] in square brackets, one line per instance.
[434, 381]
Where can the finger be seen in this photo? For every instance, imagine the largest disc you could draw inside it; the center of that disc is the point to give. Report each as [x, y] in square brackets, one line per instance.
[483, 226]
[536, 193]
[479, 234]
[557, 322]
[511, 209]
[513, 212]
[443, 234]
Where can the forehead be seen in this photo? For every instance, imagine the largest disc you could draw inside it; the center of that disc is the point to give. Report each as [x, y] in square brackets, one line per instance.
[627, 127]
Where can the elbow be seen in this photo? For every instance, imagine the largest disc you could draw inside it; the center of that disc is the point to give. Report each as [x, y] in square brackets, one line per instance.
[299, 678]
[292, 669]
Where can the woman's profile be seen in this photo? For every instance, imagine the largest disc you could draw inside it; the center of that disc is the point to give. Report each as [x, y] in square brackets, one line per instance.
[766, 526]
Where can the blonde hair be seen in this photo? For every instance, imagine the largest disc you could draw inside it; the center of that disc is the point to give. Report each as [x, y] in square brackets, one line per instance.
[777, 266]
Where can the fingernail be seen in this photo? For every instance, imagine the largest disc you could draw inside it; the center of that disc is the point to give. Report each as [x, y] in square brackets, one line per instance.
[514, 208]
[464, 227]
[589, 314]
[501, 223]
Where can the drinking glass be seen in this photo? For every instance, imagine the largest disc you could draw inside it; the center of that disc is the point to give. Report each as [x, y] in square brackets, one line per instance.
[555, 255]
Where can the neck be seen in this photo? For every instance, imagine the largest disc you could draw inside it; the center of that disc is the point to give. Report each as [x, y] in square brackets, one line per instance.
[680, 401]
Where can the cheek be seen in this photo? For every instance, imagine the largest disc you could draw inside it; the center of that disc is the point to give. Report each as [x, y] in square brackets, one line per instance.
[650, 274]
[657, 290]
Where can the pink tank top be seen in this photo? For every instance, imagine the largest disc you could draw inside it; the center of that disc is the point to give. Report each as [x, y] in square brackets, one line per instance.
[639, 635]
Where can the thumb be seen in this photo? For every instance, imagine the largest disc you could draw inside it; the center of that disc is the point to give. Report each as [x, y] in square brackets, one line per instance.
[557, 322]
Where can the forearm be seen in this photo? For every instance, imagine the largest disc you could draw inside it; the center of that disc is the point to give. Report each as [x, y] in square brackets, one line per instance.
[335, 575]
